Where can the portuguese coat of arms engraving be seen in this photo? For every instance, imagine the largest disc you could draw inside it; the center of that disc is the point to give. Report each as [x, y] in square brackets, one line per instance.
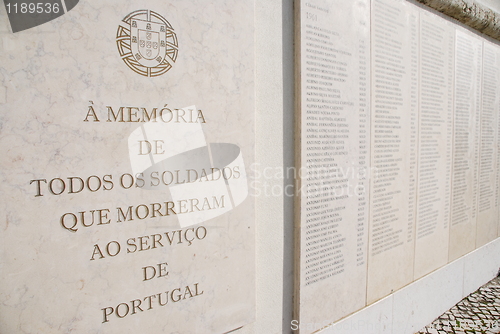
[147, 43]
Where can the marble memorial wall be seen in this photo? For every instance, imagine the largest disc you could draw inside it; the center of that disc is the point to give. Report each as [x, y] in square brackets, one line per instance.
[127, 132]
[126, 137]
[432, 191]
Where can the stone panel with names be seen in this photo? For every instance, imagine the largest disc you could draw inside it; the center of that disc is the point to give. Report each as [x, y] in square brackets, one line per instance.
[493, 52]
[333, 91]
[394, 137]
[434, 151]
[435, 143]
[487, 202]
[468, 50]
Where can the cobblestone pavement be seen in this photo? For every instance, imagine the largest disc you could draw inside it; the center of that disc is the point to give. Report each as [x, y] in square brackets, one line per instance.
[477, 313]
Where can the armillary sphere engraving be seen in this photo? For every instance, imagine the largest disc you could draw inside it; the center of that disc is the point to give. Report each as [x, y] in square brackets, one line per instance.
[147, 43]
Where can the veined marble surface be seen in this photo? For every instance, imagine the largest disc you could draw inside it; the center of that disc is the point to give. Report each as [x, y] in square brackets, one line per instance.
[90, 244]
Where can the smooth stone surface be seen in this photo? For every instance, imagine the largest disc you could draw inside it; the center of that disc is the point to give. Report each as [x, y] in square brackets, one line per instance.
[488, 193]
[435, 143]
[417, 304]
[334, 154]
[480, 266]
[466, 144]
[98, 277]
[394, 133]
[374, 319]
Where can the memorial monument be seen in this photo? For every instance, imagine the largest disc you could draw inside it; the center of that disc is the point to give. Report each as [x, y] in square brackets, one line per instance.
[425, 185]
[137, 138]
[127, 132]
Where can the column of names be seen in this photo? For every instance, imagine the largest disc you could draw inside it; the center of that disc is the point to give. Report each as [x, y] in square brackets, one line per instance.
[435, 144]
[334, 93]
[393, 137]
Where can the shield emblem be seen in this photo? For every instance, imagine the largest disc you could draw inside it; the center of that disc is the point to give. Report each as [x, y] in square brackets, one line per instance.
[148, 42]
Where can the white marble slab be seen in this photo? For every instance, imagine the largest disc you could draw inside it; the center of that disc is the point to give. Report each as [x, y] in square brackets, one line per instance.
[487, 49]
[435, 143]
[333, 161]
[419, 303]
[105, 227]
[480, 266]
[394, 134]
[468, 49]
[373, 319]
[487, 219]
